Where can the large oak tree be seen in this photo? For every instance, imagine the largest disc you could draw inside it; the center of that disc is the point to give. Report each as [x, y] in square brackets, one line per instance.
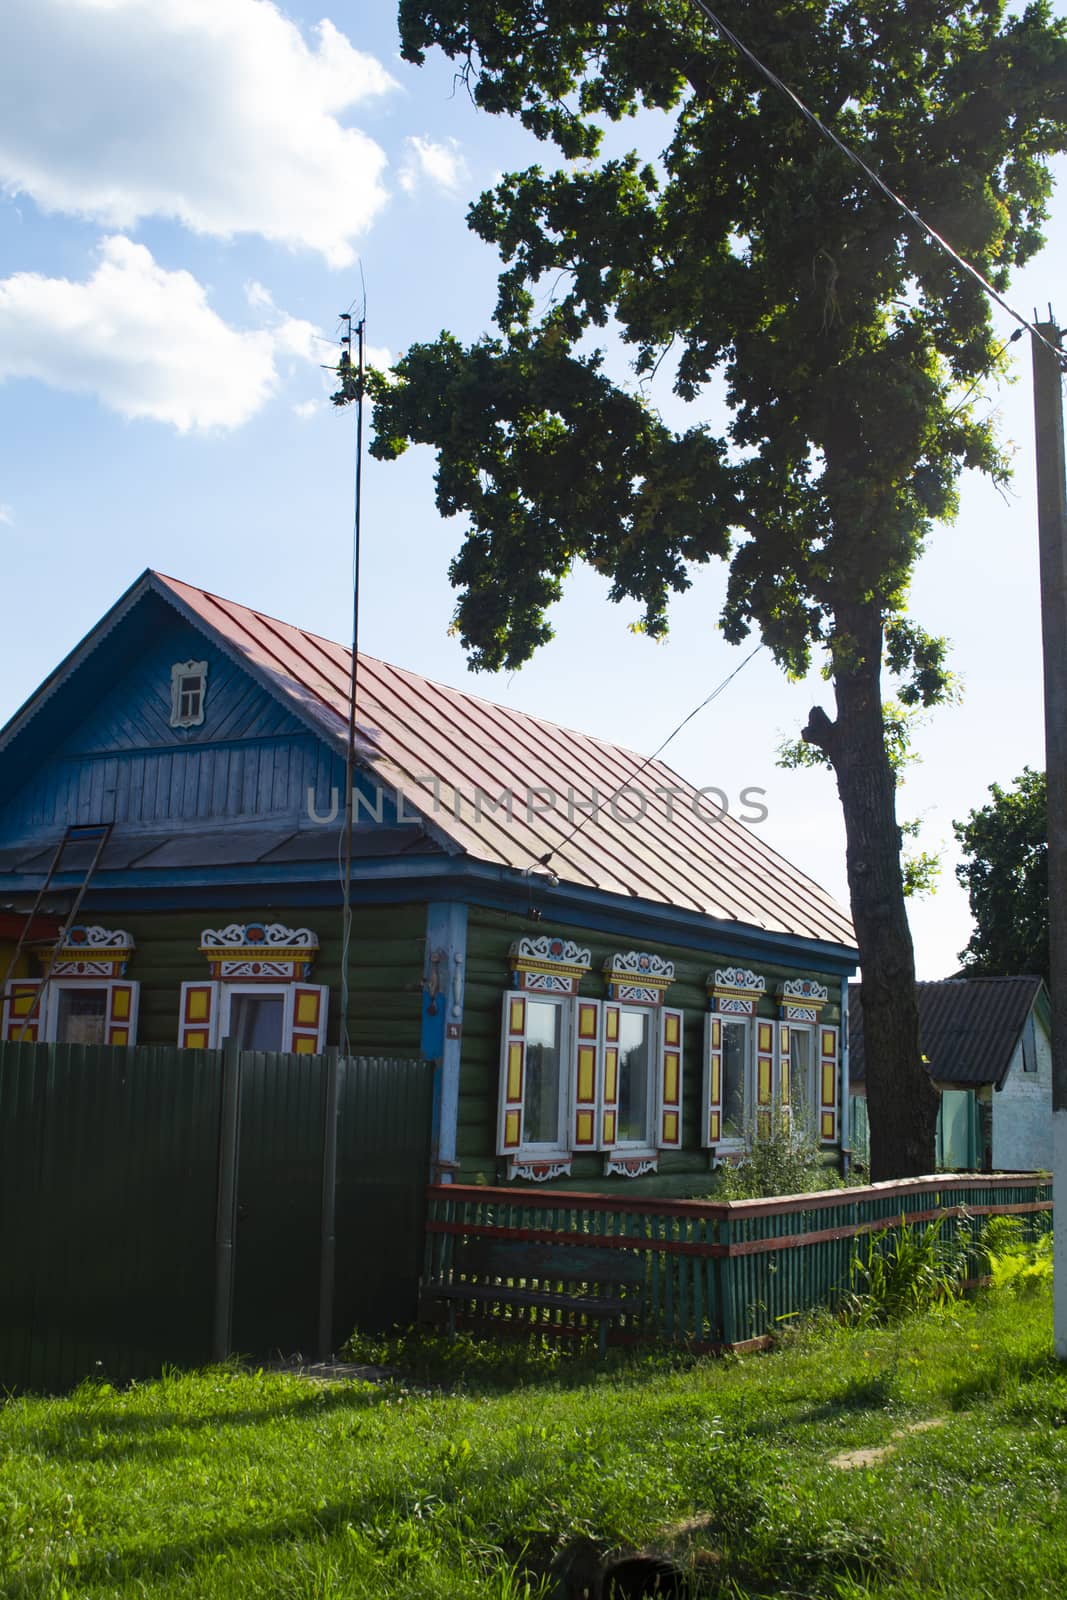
[764, 269]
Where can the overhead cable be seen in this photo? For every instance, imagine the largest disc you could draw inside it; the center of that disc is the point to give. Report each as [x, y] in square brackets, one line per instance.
[544, 860]
[879, 182]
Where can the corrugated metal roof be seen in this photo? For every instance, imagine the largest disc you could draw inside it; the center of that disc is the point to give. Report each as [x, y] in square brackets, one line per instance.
[414, 733]
[968, 1027]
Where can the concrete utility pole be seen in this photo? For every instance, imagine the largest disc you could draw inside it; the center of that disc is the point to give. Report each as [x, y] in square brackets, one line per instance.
[1052, 541]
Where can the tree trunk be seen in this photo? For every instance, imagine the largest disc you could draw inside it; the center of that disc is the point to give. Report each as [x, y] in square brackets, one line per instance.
[902, 1102]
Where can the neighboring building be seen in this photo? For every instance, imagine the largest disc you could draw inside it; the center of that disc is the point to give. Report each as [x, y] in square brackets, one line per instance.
[987, 1042]
[616, 986]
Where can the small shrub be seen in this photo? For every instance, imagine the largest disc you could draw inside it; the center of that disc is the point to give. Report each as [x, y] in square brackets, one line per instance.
[788, 1160]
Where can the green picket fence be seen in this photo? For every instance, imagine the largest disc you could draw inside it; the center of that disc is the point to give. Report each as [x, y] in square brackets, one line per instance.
[717, 1276]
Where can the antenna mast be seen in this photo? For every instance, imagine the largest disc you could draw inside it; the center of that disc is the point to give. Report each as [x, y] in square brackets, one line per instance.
[351, 388]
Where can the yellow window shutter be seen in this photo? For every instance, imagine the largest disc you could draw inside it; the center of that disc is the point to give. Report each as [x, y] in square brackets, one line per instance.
[669, 1109]
[711, 1099]
[609, 1095]
[512, 1072]
[585, 1075]
[121, 1020]
[19, 999]
[828, 1038]
[198, 1016]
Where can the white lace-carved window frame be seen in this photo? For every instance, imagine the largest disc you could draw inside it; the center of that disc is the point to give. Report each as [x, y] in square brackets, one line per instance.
[86, 997]
[579, 1075]
[188, 693]
[641, 1078]
[736, 1076]
[548, 1060]
[807, 1058]
[258, 992]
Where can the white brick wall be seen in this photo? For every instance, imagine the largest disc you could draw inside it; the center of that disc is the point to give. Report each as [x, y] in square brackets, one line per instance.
[1022, 1111]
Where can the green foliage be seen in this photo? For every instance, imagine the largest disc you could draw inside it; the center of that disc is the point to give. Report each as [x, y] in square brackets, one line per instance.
[1015, 1262]
[1005, 873]
[905, 1269]
[787, 1160]
[920, 869]
[756, 254]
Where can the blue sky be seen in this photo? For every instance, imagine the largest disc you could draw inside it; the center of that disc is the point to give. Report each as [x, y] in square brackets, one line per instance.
[188, 192]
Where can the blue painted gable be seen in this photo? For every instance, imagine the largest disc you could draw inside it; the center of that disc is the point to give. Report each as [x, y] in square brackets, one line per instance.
[104, 749]
[134, 713]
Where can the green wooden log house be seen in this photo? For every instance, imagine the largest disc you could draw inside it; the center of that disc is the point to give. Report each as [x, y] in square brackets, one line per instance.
[617, 981]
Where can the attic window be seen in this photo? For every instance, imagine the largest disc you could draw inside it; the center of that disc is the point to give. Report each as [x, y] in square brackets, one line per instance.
[188, 691]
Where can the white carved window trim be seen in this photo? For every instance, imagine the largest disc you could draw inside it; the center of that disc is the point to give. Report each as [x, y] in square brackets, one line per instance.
[529, 1151]
[729, 1143]
[808, 1100]
[643, 1149]
[120, 1008]
[185, 716]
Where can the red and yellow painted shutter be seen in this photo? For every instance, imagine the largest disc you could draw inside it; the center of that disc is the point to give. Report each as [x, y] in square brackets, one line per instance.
[764, 1075]
[18, 1003]
[609, 1096]
[512, 1073]
[120, 1026]
[198, 1018]
[307, 1029]
[827, 1084]
[712, 1095]
[586, 1098]
[785, 1086]
[669, 1109]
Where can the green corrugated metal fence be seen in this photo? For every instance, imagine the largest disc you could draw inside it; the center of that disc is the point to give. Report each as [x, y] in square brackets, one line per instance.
[720, 1275]
[123, 1247]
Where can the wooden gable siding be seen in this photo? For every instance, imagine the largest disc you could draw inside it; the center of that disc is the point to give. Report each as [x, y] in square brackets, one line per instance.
[489, 934]
[134, 713]
[123, 762]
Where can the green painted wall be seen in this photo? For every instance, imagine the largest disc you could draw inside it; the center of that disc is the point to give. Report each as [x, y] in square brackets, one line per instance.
[385, 968]
[682, 1172]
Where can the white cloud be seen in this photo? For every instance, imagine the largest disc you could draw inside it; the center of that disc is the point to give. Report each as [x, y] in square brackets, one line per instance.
[427, 162]
[307, 409]
[143, 340]
[7, 516]
[215, 112]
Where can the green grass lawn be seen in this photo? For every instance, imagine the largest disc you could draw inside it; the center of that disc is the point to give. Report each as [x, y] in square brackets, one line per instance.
[250, 1484]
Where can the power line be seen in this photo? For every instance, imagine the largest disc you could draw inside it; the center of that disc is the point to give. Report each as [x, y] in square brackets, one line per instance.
[714, 695]
[879, 182]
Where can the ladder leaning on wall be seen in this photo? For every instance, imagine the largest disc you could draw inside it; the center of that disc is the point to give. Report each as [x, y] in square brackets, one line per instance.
[95, 833]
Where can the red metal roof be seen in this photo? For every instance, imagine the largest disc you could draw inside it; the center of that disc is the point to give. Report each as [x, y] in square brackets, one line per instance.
[414, 733]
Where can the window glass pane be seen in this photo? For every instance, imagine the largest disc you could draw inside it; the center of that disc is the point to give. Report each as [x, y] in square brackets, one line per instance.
[81, 1016]
[734, 1042]
[256, 1021]
[1029, 1046]
[544, 1027]
[634, 1077]
[189, 705]
[800, 1071]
